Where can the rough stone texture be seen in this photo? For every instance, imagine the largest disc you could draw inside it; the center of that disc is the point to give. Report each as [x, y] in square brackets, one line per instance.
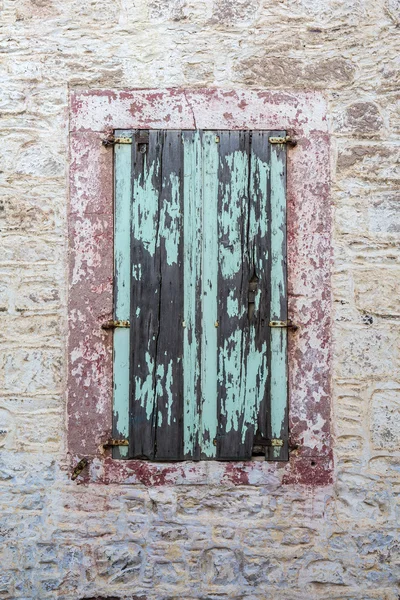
[63, 540]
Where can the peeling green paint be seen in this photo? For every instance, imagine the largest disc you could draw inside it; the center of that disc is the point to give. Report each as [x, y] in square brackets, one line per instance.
[230, 220]
[209, 360]
[144, 388]
[170, 229]
[192, 264]
[278, 292]
[122, 294]
[224, 355]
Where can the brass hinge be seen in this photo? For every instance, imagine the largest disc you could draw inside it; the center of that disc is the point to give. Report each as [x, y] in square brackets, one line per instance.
[113, 443]
[276, 442]
[283, 140]
[114, 324]
[111, 140]
[288, 324]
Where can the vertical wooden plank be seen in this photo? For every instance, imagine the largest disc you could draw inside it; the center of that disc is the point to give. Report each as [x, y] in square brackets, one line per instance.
[278, 306]
[192, 261]
[169, 342]
[157, 298]
[233, 282]
[257, 367]
[209, 372]
[145, 293]
[122, 265]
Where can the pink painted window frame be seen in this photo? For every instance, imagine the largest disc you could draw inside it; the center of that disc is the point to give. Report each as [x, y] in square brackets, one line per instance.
[93, 115]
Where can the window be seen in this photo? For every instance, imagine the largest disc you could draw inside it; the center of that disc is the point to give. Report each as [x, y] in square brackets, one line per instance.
[95, 115]
[200, 274]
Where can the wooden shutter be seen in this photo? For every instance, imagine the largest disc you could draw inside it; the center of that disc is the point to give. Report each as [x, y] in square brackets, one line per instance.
[200, 271]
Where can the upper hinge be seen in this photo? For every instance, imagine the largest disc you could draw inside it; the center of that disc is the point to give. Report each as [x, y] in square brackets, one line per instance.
[111, 140]
[283, 140]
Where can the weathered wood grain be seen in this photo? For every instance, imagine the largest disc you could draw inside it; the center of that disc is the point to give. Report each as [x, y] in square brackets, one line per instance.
[278, 304]
[208, 376]
[169, 340]
[122, 268]
[256, 405]
[157, 299]
[192, 271]
[209, 295]
[233, 288]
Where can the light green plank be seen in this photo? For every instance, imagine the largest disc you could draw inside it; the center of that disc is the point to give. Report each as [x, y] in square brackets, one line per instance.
[192, 259]
[122, 232]
[278, 292]
[209, 369]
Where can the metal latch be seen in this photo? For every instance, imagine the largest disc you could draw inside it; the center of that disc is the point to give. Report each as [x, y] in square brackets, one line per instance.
[283, 140]
[288, 324]
[112, 443]
[79, 468]
[142, 142]
[114, 324]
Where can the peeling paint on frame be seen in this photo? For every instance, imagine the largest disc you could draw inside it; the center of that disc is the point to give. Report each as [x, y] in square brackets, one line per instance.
[93, 114]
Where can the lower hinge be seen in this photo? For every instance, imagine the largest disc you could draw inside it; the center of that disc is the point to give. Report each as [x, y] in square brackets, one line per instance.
[283, 140]
[112, 443]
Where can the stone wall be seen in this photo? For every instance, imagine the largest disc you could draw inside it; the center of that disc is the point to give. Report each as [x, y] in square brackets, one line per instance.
[69, 541]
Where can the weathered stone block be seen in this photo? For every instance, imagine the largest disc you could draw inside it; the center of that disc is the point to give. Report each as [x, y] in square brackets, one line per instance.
[221, 566]
[277, 71]
[119, 562]
[323, 571]
[366, 352]
[385, 419]
[39, 161]
[229, 12]
[361, 118]
[39, 431]
[22, 250]
[30, 214]
[162, 10]
[377, 163]
[260, 570]
[377, 290]
[37, 295]
[27, 371]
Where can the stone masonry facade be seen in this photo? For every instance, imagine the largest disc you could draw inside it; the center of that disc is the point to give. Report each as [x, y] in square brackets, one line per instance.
[70, 540]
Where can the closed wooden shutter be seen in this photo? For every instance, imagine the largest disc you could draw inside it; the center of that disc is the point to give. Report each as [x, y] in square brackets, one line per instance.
[200, 273]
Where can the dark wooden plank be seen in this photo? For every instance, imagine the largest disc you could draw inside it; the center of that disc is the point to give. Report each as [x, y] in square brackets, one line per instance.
[145, 293]
[157, 298]
[233, 289]
[169, 341]
[260, 218]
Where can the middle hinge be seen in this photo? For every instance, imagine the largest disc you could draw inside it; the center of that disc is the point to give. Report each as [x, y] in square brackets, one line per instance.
[114, 324]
